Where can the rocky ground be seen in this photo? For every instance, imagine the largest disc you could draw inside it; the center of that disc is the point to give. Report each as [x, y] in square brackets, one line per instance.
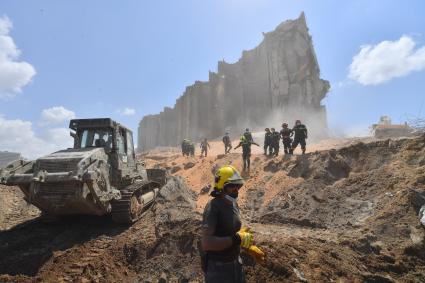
[342, 213]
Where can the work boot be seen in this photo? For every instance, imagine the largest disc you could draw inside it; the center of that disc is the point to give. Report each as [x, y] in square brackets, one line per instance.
[303, 151]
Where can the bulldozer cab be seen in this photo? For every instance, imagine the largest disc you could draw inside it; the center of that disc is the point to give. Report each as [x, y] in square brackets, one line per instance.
[116, 140]
[96, 138]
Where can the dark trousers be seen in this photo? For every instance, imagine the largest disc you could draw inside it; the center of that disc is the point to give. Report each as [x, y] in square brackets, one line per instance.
[287, 145]
[227, 148]
[225, 272]
[276, 148]
[246, 157]
[299, 141]
[204, 150]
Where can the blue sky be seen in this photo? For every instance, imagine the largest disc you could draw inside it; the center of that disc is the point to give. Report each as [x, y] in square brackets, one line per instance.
[98, 58]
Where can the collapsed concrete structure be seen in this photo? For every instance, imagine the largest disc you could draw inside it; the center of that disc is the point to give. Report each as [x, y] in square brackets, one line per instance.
[6, 157]
[277, 81]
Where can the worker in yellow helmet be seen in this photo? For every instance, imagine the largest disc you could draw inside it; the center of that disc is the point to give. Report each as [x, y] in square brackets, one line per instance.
[222, 235]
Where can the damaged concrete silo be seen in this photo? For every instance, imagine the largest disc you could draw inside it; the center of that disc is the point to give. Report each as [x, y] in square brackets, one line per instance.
[277, 81]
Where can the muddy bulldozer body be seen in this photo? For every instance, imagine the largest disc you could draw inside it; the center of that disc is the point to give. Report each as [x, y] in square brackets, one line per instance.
[98, 176]
[391, 131]
[385, 129]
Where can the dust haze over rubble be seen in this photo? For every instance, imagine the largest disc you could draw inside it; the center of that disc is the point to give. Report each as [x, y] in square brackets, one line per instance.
[278, 80]
[317, 130]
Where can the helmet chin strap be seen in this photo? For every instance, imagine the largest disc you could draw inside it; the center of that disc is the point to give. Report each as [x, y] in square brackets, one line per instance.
[233, 200]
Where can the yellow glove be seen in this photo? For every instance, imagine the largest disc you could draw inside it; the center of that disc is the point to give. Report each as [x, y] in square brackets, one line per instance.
[256, 253]
[246, 238]
[245, 229]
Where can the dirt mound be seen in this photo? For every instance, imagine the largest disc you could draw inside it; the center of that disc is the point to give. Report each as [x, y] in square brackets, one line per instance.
[175, 247]
[348, 214]
[93, 249]
[353, 201]
[347, 187]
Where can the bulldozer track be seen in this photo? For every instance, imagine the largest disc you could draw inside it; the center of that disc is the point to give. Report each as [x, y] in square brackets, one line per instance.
[121, 209]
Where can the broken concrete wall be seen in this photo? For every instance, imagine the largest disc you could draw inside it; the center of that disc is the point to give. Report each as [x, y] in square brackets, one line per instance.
[275, 82]
[6, 157]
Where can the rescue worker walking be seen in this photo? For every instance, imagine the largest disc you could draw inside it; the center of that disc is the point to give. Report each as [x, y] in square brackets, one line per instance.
[246, 151]
[268, 142]
[204, 147]
[222, 234]
[275, 141]
[227, 143]
[300, 135]
[286, 135]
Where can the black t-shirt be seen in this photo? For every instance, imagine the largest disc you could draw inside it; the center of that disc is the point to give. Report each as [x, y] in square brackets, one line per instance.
[286, 133]
[275, 137]
[300, 131]
[226, 140]
[224, 219]
[267, 138]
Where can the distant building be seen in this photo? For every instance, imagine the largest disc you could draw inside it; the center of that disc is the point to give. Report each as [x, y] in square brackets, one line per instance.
[7, 157]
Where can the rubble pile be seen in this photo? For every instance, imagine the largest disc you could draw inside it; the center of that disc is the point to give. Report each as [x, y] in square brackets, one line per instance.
[349, 214]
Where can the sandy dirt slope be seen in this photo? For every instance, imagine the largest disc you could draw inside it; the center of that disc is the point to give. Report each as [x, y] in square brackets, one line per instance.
[13, 208]
[352, 193]
[198, 170]
[343, 213]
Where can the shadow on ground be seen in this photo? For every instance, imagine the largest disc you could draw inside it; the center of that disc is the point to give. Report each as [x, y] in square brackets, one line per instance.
[28, 246]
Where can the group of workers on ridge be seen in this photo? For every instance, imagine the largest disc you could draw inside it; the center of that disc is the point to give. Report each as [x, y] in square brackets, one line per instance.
[291, 138]
[188, 148]
[272, 138]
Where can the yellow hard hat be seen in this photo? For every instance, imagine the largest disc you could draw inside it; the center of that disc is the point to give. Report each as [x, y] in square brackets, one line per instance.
[227, 175]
